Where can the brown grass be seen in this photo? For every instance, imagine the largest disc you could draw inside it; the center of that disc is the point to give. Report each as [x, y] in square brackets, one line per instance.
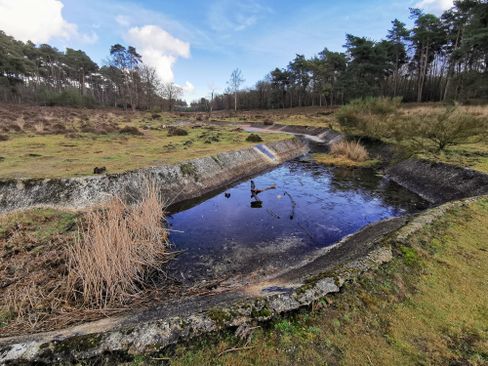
[352, 150]
[53, 276]
[117, 247]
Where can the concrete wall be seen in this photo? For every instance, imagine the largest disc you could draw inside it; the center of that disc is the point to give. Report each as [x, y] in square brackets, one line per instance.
[178, 182]
[438, 182]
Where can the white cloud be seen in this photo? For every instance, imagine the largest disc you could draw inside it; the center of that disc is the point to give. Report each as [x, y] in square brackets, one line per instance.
[435, 6]
[188, 87]
[158, 48]
[88, 38]
[188, 91]
[231, 16]
[38, 21]
[123, 20]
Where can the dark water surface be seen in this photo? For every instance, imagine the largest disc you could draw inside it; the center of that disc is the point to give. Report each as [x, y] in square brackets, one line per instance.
[312, 206]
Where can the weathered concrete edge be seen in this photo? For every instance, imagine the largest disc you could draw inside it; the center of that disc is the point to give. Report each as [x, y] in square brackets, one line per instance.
[186, 180]
[151, 336]
[438, 182]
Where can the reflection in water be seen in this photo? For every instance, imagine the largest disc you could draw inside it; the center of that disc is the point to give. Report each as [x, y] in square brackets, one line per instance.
[304, 206]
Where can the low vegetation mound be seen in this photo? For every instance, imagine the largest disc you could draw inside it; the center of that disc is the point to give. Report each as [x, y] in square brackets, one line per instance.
[177, 131]
[131, 130]
[347, 154]
[254, 138]
[369, 116]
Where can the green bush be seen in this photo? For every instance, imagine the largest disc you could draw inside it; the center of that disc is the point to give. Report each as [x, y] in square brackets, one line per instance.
[254, 138]
[441, 129]
[371, 117]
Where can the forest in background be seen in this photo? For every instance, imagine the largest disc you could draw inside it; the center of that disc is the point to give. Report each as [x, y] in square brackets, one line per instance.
[441, 58]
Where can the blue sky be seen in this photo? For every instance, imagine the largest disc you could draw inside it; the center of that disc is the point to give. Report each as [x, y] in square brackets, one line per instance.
[197, 44]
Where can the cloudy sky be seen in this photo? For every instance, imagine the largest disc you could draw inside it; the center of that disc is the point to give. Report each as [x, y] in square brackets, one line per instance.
[198, 43]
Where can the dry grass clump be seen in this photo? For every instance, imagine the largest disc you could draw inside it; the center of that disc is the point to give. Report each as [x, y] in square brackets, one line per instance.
[118, 246]
[352, 150]
[53, 276]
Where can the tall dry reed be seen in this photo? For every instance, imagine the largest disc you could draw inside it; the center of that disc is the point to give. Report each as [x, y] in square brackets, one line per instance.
[352, 150]
[117, 247]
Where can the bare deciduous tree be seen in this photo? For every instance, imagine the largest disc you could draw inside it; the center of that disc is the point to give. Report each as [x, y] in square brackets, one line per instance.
[234, 83]
[211, 88]
[150, 84]
[171, 92]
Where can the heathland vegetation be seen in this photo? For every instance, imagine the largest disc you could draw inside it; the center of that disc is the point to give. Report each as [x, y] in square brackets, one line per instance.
[420, 90]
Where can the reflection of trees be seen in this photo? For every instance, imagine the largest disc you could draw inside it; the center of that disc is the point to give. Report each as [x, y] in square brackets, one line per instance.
[365, 182]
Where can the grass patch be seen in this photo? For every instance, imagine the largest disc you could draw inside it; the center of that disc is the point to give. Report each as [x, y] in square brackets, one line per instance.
[428, 306]
[472, 155]
[341, 161]
[38, 156]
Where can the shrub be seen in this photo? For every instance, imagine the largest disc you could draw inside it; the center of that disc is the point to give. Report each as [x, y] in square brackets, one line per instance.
[351, 150]
[254, 138]
[449, 127]
[118, 246]
[3, 137]
[58, 128]
[128, 130]
[176, 131]
[369, 117]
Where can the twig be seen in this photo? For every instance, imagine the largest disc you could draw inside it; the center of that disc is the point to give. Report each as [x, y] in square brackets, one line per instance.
[176, 231]
[235, 349]
[161, 358]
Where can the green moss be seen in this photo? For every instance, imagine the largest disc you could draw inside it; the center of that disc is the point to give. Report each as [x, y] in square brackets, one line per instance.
[261, 312]
[220, 316]
[76, 344]
[189, 170]
[43, 223]
[286, 326]
[409, 254]
[6, 316]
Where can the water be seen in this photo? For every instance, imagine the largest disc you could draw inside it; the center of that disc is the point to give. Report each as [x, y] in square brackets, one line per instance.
[312, 206]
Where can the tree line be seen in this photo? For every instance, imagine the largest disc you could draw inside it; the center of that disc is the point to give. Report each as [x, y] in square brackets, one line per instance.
[441, 58]
[44, 75]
